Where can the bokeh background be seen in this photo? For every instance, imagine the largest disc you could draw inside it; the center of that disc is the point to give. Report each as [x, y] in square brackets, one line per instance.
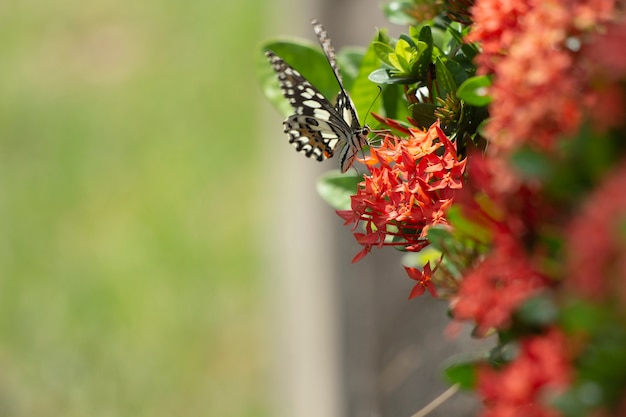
[129, 281]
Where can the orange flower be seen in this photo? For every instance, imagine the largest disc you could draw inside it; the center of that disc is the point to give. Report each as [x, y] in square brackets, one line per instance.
[411, 183]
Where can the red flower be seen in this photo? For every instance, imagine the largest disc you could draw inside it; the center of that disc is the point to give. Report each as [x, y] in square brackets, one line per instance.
[538, 87]
[423, 279]
[490, 293]
[596, 267]
[411, 183]
[606, 102]
[523, 387]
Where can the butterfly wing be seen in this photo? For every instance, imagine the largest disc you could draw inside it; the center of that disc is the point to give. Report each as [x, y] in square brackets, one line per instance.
[316, 128]
[315, 137]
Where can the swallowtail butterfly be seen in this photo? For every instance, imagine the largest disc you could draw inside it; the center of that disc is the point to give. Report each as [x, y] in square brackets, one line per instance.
[319, 129]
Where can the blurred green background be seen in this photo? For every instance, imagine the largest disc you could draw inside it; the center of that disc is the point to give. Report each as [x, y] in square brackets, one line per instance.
[128, 264]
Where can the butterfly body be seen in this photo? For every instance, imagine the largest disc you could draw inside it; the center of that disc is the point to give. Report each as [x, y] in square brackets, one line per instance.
[319, 129]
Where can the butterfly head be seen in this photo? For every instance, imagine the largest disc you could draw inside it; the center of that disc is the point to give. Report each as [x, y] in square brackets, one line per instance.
[352, 147]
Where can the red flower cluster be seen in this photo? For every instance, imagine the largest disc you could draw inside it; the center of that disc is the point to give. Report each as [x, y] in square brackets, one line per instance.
[596, 243]
[502, 279]
[607, 71]
[489, 294]
[523, 387]
[410, 185]
[530, 47]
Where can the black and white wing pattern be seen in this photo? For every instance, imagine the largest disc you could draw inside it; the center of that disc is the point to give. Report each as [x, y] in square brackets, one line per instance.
[319, 129]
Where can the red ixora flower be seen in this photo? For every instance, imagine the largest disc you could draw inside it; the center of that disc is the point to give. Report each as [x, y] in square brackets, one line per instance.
[490, 293]
[595, 243]
[524, 387]
[423, 279]
[410, 185]
[530, 48]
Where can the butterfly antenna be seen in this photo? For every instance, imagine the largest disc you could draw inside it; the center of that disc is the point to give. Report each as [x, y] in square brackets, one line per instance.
[376, 132]
[380, 91]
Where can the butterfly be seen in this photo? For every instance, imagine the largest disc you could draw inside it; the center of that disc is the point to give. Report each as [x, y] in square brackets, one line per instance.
[319, 129]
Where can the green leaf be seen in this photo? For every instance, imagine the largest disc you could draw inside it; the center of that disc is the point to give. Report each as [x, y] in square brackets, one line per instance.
[579, 316]
[408, 40]
[440, 237]
[402, 57]
[579, 400]
[457, 34]
[380, 76]
[470, 50]
[350, 60]
[474, 91]
[336, 188]
[423, 114]
[532, 164]
[457, 71]
[465, 227]
[400, 64]
[393, 102]
[363, 92]
[462, 373]
[382, 36]
[383, 51]
[445, 81]
[384, 76]
[441, 40]
[538, 311]
[506, 351]
[603, 361]
[426, 53]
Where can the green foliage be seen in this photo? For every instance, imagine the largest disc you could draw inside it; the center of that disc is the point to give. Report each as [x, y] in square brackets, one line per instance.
[473, 91]
[585, 159]
[362, 92]
[582, 317]
[336, 188]
[467, 229]
[445, 79]
[532, 164]
[601, 366]
[440, 237]
[462, 371]
[538, 311]
[430, 63]
[408, 58]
